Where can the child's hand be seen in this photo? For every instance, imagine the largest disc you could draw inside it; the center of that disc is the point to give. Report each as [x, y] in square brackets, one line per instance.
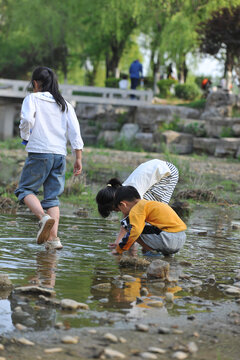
[114, 252]
[112, 245]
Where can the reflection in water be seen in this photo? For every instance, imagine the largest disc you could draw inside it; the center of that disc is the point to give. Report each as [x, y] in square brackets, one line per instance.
[212, 247]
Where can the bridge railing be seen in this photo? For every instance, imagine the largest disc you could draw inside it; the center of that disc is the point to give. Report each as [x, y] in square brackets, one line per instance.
[85, 94]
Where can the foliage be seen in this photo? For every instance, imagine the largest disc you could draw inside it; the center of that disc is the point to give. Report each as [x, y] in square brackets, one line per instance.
[226, 132]
[126, 145]
[196, 104]
[196, 129]
[187, 91]
[112, 82]
[148, 82]
[164, 86]
[13, 143]
[173, 125]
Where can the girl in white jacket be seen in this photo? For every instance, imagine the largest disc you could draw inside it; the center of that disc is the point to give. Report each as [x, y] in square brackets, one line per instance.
[47, 122]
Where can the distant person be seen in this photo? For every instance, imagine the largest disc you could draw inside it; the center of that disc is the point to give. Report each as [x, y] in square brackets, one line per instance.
[169, 71]
[164, 232]
[206, 85]
[123, 83]
[136, 74]
[47, 122]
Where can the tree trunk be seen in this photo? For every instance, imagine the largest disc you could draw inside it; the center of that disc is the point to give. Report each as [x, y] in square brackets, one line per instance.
[229, 68]
[155, 63]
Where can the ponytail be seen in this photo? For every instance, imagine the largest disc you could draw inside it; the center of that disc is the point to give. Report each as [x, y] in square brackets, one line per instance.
[48, 82]
[106, 197]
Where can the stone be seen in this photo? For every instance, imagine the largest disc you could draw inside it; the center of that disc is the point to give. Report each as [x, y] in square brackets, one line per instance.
[158, 269]
[21, 327]
[68, 304]
[113, 354]
[24, 341]
[205, 145]
[164, 330]
[155, 304]
[49, 301]
[192, 347]
[108, 137]
[53, 350]
[122, 340]
[145, 140]
[143, 291]
[181, 143]
[106, 287]
[179, 355]
[1, 347]
[169, 297]
[232, 290]
[111, 337]
[156, 350]
[128, 131]
[142, 327]
[35, 290]
[5, 282]
[148, 355]
[128, 278]
[69, 340]
[227, 147]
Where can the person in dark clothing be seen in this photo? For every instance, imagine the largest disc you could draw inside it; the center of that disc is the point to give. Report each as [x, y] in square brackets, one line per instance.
[136, 73]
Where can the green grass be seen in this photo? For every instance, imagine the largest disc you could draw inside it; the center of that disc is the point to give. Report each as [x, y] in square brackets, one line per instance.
[195, 104]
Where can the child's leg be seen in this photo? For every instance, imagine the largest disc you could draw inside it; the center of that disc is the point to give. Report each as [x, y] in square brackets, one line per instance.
[32, 202]
[165, 242]
[54, 212]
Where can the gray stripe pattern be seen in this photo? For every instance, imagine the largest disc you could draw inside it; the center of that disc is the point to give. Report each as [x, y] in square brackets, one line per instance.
[162, 191]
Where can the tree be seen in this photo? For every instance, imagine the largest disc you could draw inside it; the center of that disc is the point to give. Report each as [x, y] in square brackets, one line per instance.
[222, 32]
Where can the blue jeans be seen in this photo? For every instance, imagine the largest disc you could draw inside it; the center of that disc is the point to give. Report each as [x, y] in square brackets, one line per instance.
[47, 170]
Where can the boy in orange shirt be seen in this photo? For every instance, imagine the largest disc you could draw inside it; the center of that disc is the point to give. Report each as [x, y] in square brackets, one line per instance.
[164, 231]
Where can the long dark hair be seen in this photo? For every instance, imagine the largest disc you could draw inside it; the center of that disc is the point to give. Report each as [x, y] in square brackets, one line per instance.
[105, 197]
[48, 82]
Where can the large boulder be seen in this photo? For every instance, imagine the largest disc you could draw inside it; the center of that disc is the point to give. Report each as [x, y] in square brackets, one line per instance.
[145, 140]
[108, 137]
[227, 147]
[205, 145]
[219, 104]
[181, 143]
[129, 131]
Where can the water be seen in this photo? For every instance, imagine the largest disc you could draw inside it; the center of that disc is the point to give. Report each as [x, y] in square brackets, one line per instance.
[212, 247]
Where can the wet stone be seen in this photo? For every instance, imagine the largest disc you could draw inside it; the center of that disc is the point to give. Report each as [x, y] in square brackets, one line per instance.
[144, 291]
[128, 278]
[53, 350]
[70, 340]
[158, 269]
[142, 327]
[111, 337]
[35, 290]
[5, 282]
[24, 341]
[112, 354]
[192, 347]
[148, 355]
[169, 297]
[155, 304]
[233, 290]
[106, 287]
[68, 304]
[21, 327]
[179, 355]
[164, 330]
[122, 340]
[49, 301]
[1, 347]
[156, 350]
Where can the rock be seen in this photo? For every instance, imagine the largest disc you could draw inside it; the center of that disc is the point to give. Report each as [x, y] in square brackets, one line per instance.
[156, 350]
[155, 304]
[145, 140]
[92, 331]
[2, 358]
[68, 304]
[53, 350]
[181, 143]
[192, 347]
[108, 137]
[179, 355]
[128, 278]
[21, 327]
[24, 341]
[135, 262]
[191, 317]
[233, 290]
[35, 290]
[143, 291]
[158, 269]
[142, 327]
[169, 297]
[164, 330]
[49, 301]
[113, 354]
[5, 282]
[69, 339]
[196, 282]
[237, 277]
[211, 279]
[205, 145]
[148, 355]
[182, 208]
[106, 287]
[128, 131]
[110, 337]
[122, 340]
[1, 347]
[227, 147]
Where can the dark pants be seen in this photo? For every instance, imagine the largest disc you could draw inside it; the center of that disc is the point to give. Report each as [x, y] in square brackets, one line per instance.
[134, 85]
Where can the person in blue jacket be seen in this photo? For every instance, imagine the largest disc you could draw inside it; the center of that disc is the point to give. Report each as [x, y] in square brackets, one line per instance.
[136, 73]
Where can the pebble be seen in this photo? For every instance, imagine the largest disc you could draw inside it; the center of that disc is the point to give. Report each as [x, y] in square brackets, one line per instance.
[103, 300]
[2, 358]
[53, 350]
[156, 350]
[155, 304]
[92, 331]
[142, 327]
[177, 331]
[192, 347]
[21, 327]
[233, 290]
[196, 282]
[122, 340]
[163, 330]
[169, 297]
[59, 325]
[237, 277]
[128, 278]
[70, 340]
[102, 287]
[144, 291]
[180, 355]
[69, 304]
[148, 355]
[35, 290]
[24, 341]
[111, 354]
[191, 317]
[110, 337]
[1, 347]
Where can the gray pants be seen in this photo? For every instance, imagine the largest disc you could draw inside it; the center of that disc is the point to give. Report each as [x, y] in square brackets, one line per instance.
[166, 242]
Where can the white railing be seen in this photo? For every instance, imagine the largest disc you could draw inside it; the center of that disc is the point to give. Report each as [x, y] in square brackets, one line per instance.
[85, 94]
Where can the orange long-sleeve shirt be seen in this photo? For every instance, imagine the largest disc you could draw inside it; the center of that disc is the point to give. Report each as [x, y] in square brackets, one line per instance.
[155, 213]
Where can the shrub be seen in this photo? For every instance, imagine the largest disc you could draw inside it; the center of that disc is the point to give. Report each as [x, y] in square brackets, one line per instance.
[164, 86]
[187, 91]
[148, 82]
[112, 82]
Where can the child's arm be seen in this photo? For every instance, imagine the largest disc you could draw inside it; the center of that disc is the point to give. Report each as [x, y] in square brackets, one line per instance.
[77, 169]
[121, 234]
